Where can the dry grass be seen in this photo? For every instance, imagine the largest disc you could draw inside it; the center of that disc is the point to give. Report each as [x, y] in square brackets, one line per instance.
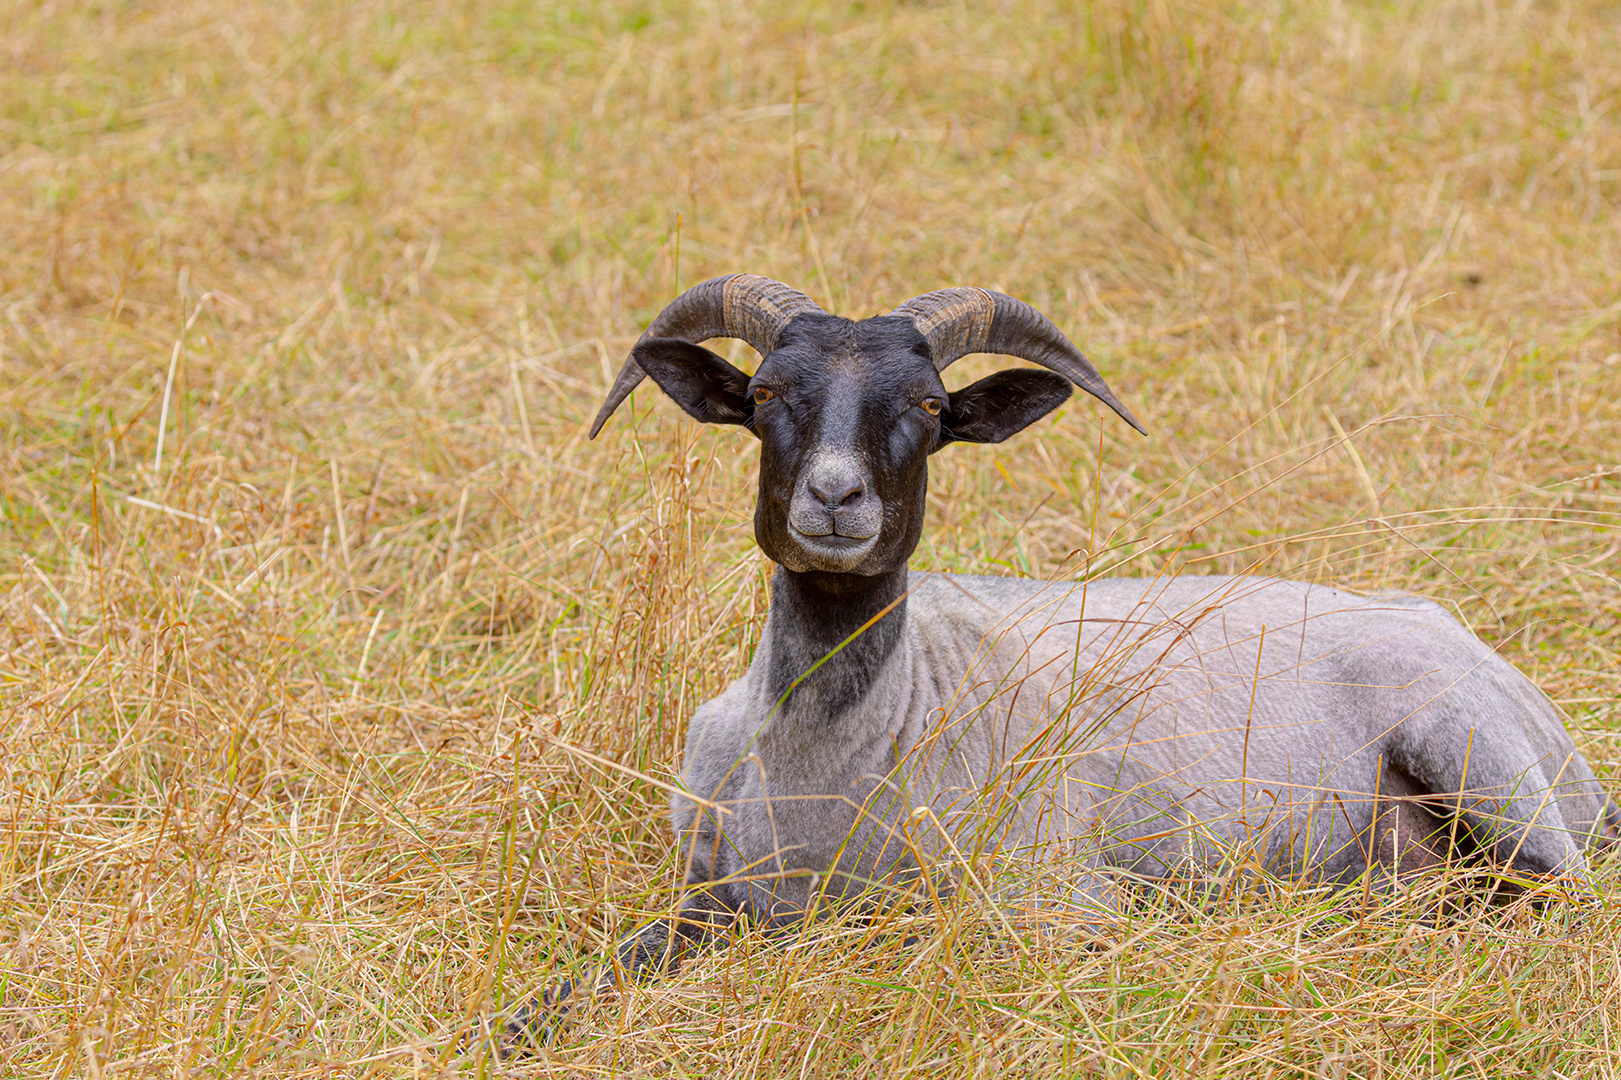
[331, 651]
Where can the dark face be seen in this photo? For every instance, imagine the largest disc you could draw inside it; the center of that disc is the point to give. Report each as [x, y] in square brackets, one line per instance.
[847, 414]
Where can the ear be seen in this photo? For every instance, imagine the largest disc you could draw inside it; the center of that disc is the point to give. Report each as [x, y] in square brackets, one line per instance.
[706, 386]
[1001, 405]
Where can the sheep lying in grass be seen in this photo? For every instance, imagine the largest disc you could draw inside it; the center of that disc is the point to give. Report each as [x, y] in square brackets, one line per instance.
[892, 723]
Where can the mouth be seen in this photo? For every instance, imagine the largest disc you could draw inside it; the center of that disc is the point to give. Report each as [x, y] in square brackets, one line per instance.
[830, 552]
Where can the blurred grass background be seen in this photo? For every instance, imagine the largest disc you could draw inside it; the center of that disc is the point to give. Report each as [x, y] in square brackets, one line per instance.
[333, 656]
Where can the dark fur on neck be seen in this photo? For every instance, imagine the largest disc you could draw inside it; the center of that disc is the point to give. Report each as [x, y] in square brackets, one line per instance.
[811, 614]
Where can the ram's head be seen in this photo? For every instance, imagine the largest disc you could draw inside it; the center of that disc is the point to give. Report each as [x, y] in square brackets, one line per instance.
[847, 412]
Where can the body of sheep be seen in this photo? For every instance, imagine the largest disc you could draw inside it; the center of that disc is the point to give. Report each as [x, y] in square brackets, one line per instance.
[1153, 726]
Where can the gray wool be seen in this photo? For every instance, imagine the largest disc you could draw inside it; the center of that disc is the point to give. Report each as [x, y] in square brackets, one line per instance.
[1156, 726]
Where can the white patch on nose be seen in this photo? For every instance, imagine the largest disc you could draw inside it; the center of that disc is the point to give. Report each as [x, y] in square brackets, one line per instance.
[837, 525]
[833, 497]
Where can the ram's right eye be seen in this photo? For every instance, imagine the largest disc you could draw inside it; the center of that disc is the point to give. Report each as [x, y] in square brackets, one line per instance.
[762, 395]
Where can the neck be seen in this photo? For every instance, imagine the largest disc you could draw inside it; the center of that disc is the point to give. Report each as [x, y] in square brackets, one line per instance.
[815, 613]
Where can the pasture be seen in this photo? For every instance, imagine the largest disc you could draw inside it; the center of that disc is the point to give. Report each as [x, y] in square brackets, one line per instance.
[342, 679]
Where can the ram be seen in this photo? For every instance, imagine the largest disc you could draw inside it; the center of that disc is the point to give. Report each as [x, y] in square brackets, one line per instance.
[894, 723]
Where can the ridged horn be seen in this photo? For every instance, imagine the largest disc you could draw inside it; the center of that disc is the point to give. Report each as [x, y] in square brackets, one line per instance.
[748, 307]
[956, 322]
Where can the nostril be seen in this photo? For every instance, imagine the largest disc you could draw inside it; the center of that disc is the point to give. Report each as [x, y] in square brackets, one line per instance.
[834, 494]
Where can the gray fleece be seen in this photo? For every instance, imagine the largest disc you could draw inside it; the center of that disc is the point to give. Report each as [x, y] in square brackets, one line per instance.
[1157, 726]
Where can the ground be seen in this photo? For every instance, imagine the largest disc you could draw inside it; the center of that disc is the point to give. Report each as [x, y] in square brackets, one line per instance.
[342, 678]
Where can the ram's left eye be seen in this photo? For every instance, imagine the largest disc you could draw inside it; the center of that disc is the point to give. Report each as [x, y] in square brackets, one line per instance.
[931, 405]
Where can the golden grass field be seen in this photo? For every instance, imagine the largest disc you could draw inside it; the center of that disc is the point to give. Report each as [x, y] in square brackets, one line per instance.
[340, 673]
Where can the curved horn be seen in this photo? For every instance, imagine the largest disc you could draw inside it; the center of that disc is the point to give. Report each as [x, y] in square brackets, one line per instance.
[745, 306]
[956, 322]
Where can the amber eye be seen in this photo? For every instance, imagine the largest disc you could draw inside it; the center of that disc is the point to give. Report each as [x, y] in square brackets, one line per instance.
[762, 395]
[931, 405]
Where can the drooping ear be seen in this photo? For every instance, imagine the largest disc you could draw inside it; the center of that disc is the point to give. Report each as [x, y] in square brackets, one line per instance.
[702, 383]
[1001, 405]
